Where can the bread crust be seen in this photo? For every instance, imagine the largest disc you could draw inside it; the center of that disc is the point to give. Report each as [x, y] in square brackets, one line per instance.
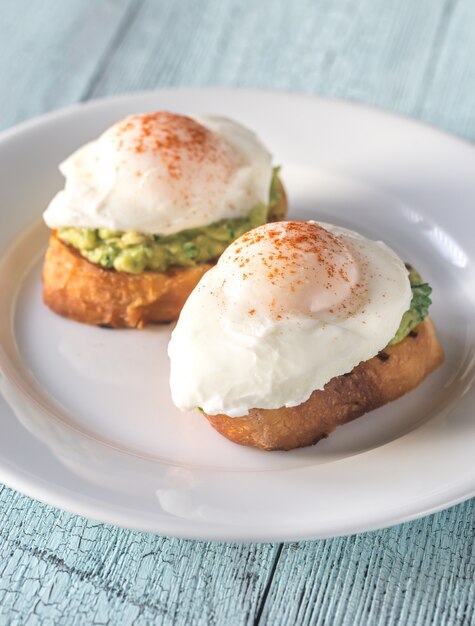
[83, 291]
[75, 288]
[371, 384]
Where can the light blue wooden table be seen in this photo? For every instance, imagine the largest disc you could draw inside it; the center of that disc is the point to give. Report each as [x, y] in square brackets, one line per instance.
[416, 57]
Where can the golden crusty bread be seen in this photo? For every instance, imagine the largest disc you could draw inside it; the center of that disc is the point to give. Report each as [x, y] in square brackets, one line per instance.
[371, 384]
[75, 288]
[85, 292]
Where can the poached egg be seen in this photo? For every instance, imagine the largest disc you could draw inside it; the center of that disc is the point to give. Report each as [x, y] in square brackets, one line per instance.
[162, 173]
[288, 307]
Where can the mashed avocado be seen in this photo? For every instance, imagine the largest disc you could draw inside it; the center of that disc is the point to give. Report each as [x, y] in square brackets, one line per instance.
[134, 252]
[419, 306]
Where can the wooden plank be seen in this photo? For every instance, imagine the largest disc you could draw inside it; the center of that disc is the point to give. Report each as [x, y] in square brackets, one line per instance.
[50, 50]
[420, 573]
[448, 96]
[57, 568]
[370, 51]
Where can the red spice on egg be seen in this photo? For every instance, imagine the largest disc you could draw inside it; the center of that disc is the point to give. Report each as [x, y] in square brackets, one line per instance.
[176, 138]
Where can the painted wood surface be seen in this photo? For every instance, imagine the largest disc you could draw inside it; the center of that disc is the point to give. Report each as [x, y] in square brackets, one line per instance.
[418, 573]
[60, 569]
[416, 58]
[50, 52]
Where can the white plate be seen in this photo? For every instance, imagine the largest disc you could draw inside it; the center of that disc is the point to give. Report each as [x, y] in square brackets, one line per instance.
[87, 421]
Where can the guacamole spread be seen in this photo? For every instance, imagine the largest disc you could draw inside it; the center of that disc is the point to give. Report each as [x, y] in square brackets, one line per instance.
[134, 252]
[419, 306]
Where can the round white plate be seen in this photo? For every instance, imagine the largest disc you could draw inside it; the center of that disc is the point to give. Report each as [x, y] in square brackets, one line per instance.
[87, 420]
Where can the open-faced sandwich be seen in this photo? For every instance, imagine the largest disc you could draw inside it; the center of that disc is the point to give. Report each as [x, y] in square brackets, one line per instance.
[300, 327]
[147, 209]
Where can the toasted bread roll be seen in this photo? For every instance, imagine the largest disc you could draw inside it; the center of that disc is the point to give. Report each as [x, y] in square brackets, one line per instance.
[85, 292]
[371, 384]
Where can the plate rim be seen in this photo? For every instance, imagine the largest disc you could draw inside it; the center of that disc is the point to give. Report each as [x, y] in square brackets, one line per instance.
[104, 515]
[49, 495]
[64, 111]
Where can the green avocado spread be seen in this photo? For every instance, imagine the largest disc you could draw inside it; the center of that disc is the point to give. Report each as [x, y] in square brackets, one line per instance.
[134, 252]
[418, 309]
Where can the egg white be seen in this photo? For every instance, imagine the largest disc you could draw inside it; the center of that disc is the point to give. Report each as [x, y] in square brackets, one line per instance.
[111, 186]
[227, 362]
